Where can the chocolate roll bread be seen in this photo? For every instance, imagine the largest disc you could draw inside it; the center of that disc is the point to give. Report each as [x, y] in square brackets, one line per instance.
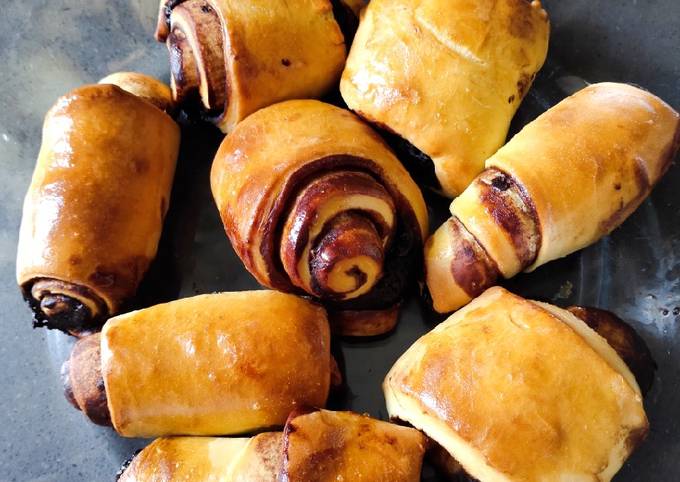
[445, 77]
[218, 364]
[230, 58]
[320, 446]
[315, 203]
[518, 390]
[566, 180]
[94, 210]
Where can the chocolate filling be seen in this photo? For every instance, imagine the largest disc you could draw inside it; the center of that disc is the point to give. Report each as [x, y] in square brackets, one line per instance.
[471, 267]
[623, 338]
[401, 257]
[59, 311]
[512, 209]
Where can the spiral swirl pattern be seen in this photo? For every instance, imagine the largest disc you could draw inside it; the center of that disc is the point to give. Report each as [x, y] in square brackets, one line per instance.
[332, 214]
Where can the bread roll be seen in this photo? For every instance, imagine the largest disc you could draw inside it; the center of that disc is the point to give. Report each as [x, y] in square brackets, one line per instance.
[324, 446]
[315, 203]
[321, 446]
[230, 58]
[446, 76]
[94, 210]
[567, 179]
[200, 459]
[218, 364]
[518, 390]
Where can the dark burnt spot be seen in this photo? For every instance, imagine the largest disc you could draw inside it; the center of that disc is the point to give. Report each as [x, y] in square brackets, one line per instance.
[524, 83]
[102, 279]
[617, 186]
[636, 437]
[471, 267]
[501, 182]
[285, 62]
[511, 99]
[140, 165]
[205, 8]
[644, 187]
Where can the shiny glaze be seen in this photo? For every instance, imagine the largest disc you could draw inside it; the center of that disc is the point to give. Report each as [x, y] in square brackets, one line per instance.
[263, 180]
[446, 75]
[217, 364]
[325, 446]
[266, 52]
[578, 171]
[94, 211]
[523, 389]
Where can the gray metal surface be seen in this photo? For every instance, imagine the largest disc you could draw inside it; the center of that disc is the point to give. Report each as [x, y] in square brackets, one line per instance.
[49, 47]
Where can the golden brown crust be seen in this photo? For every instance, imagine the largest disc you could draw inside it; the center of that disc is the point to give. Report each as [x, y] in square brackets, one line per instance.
[94, 211]
[186, 459]
[446, 75]
[324, 446]
[321, 446]
[143, 86]
[601, 151]
[217, 364]
[514, 392]
[83, 382]
[313, 201]
[624, 339]
[241, 56]
[578, 171]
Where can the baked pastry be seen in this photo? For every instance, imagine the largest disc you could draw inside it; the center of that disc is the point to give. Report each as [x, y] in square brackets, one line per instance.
[94, 210]
[446, 77]
[518, 390]
[218, 364]
[230, 58]
[200, 459]
[315, 203]
[320, 446]
[567, 179]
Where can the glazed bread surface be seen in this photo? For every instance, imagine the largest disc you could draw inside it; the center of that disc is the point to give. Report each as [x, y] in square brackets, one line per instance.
[314, 202]
[567, 179]
[201, 459]
[316, 446]
[447, 76]
[218, 364]
[233, 57]
[517, 390]
[94, 211]
[326, 446]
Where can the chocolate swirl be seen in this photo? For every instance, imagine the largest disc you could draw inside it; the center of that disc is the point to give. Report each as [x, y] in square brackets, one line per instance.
[543, 195]
[333, 214]
[229, 58]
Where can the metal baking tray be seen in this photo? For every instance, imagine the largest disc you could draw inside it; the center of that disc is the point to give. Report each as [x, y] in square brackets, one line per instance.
[48, 48]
